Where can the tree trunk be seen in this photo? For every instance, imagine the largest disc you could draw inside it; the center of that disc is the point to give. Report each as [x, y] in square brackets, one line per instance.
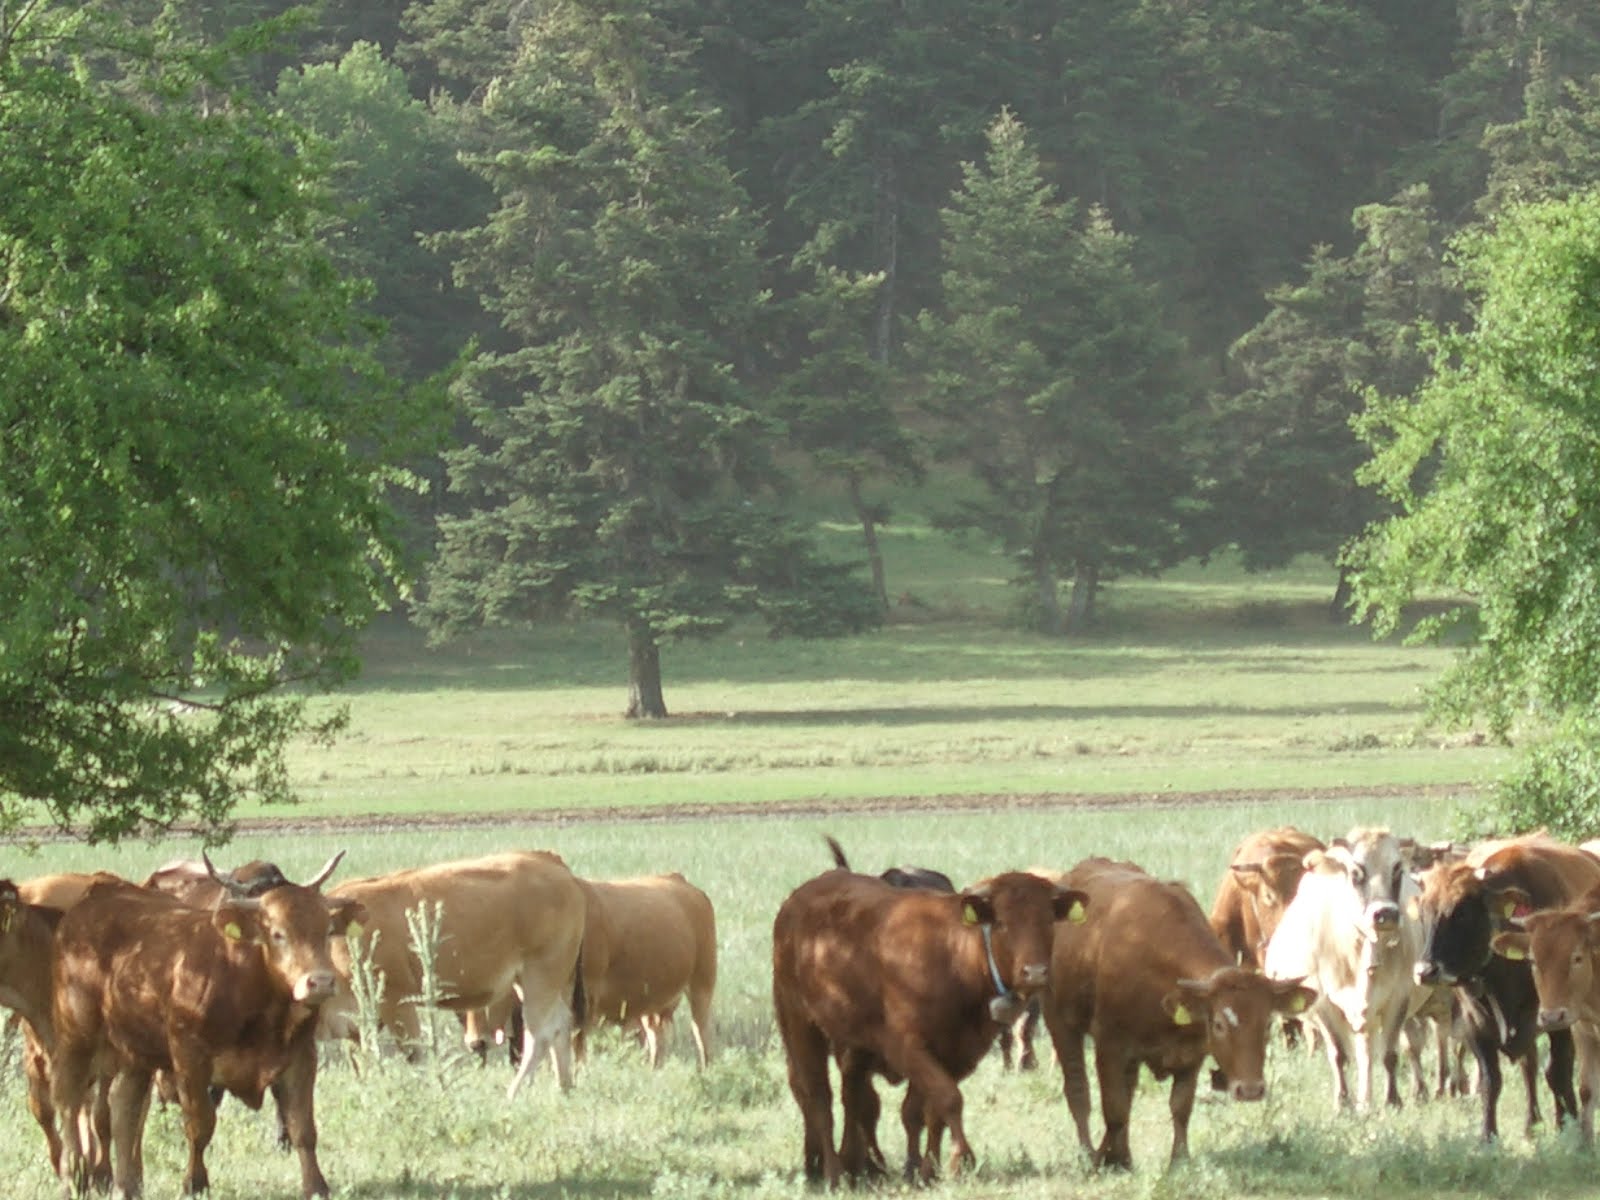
[644, 675]
[1343, 592]
[886, 226]
[869, 535]
[1044, 583]
[1080, 608]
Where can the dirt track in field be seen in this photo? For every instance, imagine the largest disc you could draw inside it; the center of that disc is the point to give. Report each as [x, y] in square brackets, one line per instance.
[1044, 801]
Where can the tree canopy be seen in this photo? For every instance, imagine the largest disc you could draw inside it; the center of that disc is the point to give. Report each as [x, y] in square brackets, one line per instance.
[1491, 463]
[194, 432]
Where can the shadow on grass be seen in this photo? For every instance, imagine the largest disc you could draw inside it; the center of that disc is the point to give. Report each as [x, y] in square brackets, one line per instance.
[973, 714]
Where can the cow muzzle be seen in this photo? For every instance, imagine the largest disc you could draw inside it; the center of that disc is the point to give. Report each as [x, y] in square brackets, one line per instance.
[1247, 1089]
[315, 987]
[1033, 977]
[1428, 973]
[1384, 916]
[1555, 1019]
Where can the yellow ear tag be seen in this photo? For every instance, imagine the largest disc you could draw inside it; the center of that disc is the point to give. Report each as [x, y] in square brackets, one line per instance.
[1075, 914]
[1514, 953]
[1510, 909]
[969, 915]
[353, 929]
[1182, 1016]
[1297, 1003]
[5, 921]
[232, 931]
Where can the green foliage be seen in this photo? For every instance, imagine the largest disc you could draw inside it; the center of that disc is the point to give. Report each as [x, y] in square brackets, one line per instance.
[194, 429]
[623, 475]
[1055, 379]
[1506, 434]
[1286, 453]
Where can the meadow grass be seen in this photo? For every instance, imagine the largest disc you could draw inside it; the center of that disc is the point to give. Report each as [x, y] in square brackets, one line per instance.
[1208, 681]
[396, 1129]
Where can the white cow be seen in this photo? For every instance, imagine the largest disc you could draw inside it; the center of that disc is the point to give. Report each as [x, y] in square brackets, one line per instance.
[1351, 933]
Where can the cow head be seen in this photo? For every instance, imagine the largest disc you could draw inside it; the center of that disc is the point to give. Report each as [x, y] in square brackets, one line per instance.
[1270, 882]
[1462, 907]
[1234, 1007]
[1374, 866]
[1018, 912]
[291, 924]
[1562, 945]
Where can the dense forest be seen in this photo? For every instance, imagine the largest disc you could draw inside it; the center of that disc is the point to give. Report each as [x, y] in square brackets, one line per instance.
[1132, 264]
[559, 308]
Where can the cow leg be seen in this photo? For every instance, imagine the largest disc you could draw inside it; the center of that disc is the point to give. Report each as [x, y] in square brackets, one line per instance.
[1486, 1052]
[295, 1092]
[546, 1030]
[1558, 1075]
[913, 1116]
[127, 1102]
[36, 1066]
[199, 1121]
[807, 1053]
[941, 1098]
[1074, 1077]
[1333, 1044]
[930, 1158]
[1587, 1042]
[70, 1080]
[650, 1030]
[1181, 1104]
[859, 1153]
[1118, 1075]
[700, 1022]
[1528, 1063]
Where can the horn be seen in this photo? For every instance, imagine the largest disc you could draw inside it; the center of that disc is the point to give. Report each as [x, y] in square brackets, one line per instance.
[228, 884]
[321, 876]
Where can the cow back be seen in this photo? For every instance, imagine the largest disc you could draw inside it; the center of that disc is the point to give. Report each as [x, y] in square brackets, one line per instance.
[644, 940]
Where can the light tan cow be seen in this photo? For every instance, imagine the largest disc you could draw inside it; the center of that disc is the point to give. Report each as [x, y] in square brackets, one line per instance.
[648, 943]
[510, 918]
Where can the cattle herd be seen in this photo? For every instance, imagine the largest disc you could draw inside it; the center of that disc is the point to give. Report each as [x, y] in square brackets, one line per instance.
[198, 982]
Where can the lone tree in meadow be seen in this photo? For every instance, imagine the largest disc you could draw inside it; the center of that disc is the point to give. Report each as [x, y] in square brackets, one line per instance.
[1491, 465]
[622, 462]
[1053, 376]
[194, 428]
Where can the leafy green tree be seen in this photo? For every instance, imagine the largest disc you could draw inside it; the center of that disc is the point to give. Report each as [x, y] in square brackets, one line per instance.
[194, 427]
[625, 478]
[1285, 450]
[1551, 152]
[1506, 433]
[1057, 381]
[837, 404]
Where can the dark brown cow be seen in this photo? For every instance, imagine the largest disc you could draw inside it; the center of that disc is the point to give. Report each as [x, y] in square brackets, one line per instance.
[1463, 905]
[143, 984]
[904, 982]
[1260, 881]
[1149, 981]
[189, 881]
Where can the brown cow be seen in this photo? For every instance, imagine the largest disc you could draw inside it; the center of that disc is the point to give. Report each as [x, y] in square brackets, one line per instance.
[143, 984]
[1147, 979]
[647, 943]
[1562, 945]
[1260, 881]
[510, 918]
[909, 983]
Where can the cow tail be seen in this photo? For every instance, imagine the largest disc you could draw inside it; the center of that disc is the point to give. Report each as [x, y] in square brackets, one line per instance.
[580, 998]
[839, 859]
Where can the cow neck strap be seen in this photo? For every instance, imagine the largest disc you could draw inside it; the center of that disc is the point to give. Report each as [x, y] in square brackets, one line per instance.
[988, 953]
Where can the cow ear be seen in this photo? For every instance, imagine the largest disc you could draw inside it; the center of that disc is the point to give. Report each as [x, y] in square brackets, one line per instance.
[977, 908]
[1515, 946]
[1509, 902]
[1186, 1006]
[1294, 998]
[238, 920]
[1068, 904]
[345, 916]
[10, 904]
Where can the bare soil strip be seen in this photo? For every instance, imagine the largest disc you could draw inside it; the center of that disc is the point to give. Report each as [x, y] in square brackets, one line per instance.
[827, 807]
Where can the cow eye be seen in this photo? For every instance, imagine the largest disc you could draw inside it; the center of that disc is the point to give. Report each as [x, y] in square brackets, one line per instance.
[1358, 874]
[279, 936]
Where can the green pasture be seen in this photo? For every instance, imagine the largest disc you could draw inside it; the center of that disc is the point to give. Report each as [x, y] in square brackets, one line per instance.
[1206, 680]
[439, 1130]
[1202, 695]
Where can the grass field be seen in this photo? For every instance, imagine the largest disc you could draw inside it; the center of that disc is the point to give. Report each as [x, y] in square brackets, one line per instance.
[1208, 682]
